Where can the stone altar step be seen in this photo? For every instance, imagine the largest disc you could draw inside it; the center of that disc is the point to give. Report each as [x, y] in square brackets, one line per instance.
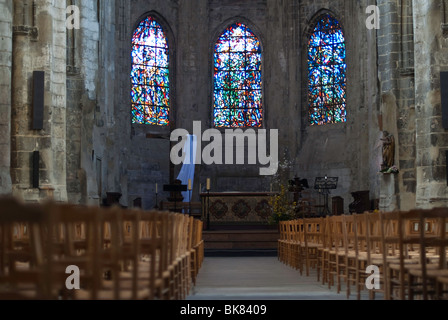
[240, 241]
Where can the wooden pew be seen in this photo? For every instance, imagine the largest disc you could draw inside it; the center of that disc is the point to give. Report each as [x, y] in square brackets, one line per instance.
[121, 253]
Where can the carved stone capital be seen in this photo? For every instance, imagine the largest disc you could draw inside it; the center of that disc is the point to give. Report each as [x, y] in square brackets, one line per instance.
[445, 29]
[32, 32]
[71, 70]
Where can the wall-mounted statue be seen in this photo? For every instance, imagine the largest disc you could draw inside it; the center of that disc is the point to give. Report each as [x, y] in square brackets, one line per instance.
[388, 151]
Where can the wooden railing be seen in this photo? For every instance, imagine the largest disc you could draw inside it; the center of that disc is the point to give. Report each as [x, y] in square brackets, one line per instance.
[397, 255]
[60, 251]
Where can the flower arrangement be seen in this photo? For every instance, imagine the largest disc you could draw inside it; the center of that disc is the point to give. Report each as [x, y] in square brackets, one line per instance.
[282, 208]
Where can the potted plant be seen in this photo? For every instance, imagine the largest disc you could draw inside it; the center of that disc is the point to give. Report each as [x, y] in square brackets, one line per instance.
[282, 208]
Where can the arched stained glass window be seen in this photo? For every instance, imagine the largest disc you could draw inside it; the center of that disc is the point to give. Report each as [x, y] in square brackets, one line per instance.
[150, 75]
[238, 79]
[327, 73]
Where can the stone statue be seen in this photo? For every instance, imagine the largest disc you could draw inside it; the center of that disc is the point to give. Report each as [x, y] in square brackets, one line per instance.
[388, 151]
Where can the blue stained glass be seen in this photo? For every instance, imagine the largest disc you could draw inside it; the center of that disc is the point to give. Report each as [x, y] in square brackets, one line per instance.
[238, 79]
[327, 73]
[150, 75]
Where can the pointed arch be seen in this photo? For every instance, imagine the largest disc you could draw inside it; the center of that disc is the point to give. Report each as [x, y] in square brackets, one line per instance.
[150, 75]
[238, 79]
[327, 68]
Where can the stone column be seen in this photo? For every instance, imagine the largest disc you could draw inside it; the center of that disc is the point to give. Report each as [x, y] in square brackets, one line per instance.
[6, 8]
[39, 44]
[431, 51]
[281, 75]
[396, 75]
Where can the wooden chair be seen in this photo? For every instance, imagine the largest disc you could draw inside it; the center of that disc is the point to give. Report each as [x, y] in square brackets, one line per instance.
[24, 272]
[353, 254]
[291, 244]
[192, 252]
[328, 252]
[290, 234]
[390, 263]
[200, 242]
[399, 252]
[441, 284]
[433, 244]
[323, 251]
[288, 242]
[183, 254]
[381, 246]
[121, 254]
[337, 255]
[282, 241]
[147, 264]
[154, 258]
[134, 276]
[312, 242]
[167, 255]
[197, 249]
[178, 266]
[101, 256]
[296, 244]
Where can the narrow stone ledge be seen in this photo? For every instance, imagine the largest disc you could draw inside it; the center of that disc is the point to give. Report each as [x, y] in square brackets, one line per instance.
[32, 32]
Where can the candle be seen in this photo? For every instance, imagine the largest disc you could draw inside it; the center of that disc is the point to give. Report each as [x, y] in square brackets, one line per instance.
[189, 184]
[208, 184]
[157, 188]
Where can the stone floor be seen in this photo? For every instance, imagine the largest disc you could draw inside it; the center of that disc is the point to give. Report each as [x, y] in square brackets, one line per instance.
[260, 278]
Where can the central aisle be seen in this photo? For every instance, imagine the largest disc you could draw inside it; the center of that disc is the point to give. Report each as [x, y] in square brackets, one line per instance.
[258, 278]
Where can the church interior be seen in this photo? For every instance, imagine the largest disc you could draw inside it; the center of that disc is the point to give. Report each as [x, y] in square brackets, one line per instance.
[217, 107]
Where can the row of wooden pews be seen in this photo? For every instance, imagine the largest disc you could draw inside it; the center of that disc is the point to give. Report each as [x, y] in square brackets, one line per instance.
[395, 255]
[56, 251]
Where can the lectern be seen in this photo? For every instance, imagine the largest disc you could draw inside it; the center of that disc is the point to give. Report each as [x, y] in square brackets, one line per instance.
[324, 185]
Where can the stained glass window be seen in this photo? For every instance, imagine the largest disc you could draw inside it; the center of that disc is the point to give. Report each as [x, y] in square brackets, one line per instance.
[327, 73]
[238, 79]
[150, 77]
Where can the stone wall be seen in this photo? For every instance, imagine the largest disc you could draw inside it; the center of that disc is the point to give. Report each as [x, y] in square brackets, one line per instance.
[431, 52]
[396, 74]
[347, 150]
[96, 134]
[89, 147]
[39, 44]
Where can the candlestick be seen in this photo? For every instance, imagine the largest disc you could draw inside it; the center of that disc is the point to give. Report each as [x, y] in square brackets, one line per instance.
[208, 184]
[189, 185]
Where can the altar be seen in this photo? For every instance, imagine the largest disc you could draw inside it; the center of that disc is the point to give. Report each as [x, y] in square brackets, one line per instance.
[236, 208]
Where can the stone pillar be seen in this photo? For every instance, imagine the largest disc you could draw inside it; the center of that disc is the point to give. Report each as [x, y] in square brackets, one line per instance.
[388, 57]
[281, 75]
[431, 51]
[39, 44]
[396, 74]
[388, 198]
[6, 8]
